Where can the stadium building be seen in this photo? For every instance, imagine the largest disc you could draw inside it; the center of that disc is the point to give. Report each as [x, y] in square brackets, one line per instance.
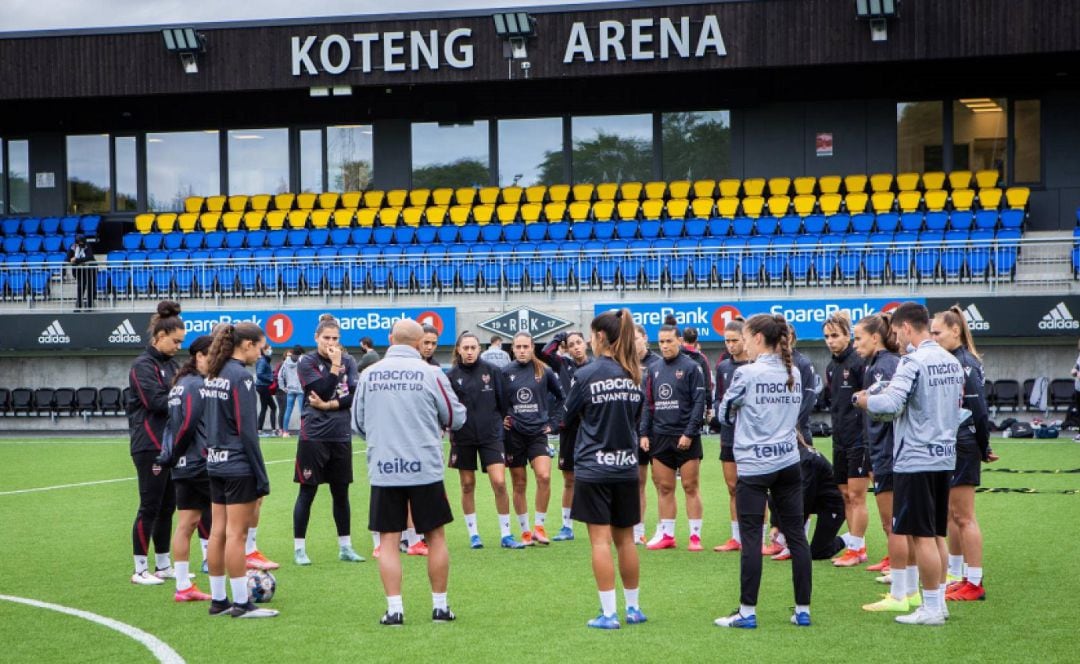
[499, 170]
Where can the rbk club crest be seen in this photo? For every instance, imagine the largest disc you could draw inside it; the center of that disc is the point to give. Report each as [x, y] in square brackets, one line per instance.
[679, 374]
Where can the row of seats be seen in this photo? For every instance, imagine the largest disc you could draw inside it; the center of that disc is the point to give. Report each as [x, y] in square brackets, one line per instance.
[49, 226]
[791, 225]
[31, 244]
[63, 401]
[1008, 393]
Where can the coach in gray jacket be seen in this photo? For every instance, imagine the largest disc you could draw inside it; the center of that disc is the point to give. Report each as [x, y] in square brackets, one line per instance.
[401, 408]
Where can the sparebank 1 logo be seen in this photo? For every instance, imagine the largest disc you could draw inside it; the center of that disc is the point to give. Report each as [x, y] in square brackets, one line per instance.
[722, 316]
[431, 318]
[890, 307]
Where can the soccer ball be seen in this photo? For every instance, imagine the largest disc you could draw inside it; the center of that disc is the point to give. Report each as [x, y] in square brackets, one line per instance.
[261, 585]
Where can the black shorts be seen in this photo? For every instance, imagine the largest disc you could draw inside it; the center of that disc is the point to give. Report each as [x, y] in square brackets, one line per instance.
[463, 457]
[192, 494]
[851, 463]
[883, 483]
[323, 463]
[921, 503]
[644, 457]
[388, 511]
[968, 465]
[727, 452]
[233, 490]
[665, 449]
[521, 448]
[567, 439]
[615, 504]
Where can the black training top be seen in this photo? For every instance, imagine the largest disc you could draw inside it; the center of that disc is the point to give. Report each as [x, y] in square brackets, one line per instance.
[150, 379]
[232, 426]
[879, 435]
[534, 403]
[725, 370]
[184, 443]
[809, 388]
[327, 426]
[706, 372]
[674, 398]
[976, 428]
[817, 479]
[844, 378]
[479, 387]
[604, 404]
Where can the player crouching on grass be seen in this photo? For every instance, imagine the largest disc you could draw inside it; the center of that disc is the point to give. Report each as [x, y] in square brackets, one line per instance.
[401, 407]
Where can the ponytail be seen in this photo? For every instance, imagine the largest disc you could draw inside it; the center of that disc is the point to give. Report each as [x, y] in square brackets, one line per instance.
[775, 331]
[617, 328]
[880, 324]
[226, 338]
[538, 364]
[200, 345]
[954, 317]
[166, 320]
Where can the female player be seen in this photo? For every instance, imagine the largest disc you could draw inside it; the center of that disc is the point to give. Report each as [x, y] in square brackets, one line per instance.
[479, 388]
[950, 329]
[851, 462]
[725, 371]
[429, 344]
[534, 399]
[183, 450]
[647, 359]
[264, 377]
[604, 405]
[876, 344]
[767, 393]
[150, 380]
[234, 462]
[324, 450]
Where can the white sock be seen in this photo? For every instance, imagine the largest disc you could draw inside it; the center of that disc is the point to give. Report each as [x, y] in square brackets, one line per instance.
[856, 543]
[217, 588]
[631, 597]
[470, 523]
[747, 611]
[735, 531]
[765, 532]
[140, 564]
[239, 590]
[250, 547]
[695, 527]
[523, 522]
[376, 540]
[344, 541]
[607, 602]
[299, 543]
[912, 585]
[161, 560]
[847, 539]
[204, 543]
[439, 600]
[667, 526]
[182, 580]
[898, 587]
[802, 608]
[974, 575]
[806, 528]
[411, 537]
[639, 531]
[566, 521]
[541, 518]
[956, 565]
[393, 604]
[781, 540]
[932, 599]
[504, 525]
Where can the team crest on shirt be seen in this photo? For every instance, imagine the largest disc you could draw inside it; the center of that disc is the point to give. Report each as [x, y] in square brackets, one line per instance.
[847, 372]
[665, 391]
[460, 381]
[878, 375]
[679, 374]
[513, 377]
[524, 395]
[247, 384]
[967, 371]
[155, 469]
[453, 458]
[486, 378]
[306, 473]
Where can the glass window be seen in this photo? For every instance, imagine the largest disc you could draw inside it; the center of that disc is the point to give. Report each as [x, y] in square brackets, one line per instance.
[181, 164]
[311, 161]
[696, 145]
[450, 155]
[980, 134]
[612, 148]
[531, 152]
[919, 137]
[88, 173]
[127, 169]
[1027, 126]
[18, 177]
[258, 161]
[349, 162]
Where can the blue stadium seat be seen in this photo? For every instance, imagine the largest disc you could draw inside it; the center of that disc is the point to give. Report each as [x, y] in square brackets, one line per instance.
[290, 277]
[69, 225]
[887, 222]
[961, 220]
[151, 241]
[213, 240]
[130, 242]
[404, 235]
[502, 249]
[678, 270]
[791, 224]
[298, 237]
[470, 233]
[360, 236]
[727, 268]
[672, 227]
[10, 226]
[318, 237]
[536, 232]
[1012, 218]
[358, 276]
[719, 227]
[838, 223]
[50, 226]
[514, 273]
[663, 244]
[581, 230]
[649, 229]
[38, 282]
[936, 221]
[174, 241]
[626, 230]
[88, 225]
[282, 253]
[825, 265]
[814, 224]
[702, 269]
[986, 220]
[382, 235]
[29, 225]
[603, 230]
[193, 240]
[862, 222]
[339, 237]
[424, 235]
[742, 226]
[262, 255]
[349, 252]
[32, 243]
[276, 238]
[335, 277]
[776, 268]
[911, 222]
[766, 225]
[538, 272]
[233, 239]
[448, 234]
[617, 248]
[469, 275]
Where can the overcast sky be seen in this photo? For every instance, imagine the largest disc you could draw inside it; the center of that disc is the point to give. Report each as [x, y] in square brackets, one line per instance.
[18, 15]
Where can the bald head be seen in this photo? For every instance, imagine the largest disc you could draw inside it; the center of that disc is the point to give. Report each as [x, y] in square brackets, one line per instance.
[406, 332]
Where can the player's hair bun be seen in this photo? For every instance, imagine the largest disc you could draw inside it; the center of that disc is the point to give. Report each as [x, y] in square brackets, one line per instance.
[326, 317]
[168, 309]
[670, 320]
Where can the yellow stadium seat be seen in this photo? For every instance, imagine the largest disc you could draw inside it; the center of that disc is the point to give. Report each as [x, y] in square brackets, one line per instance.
[351, 200]
[298, 218]
[829, 184]
[260, 202]
[536, 193]
[605, 191]
[631, 191]
[512, 195]
[306, 200]
[753, 205]
[442, 197]
[830, 203]
[579, 210]
[855, 183]
[987, 179]
[215, 203]
[933, 180]
[436, 214]
[559, 193]
[483, 213]
[238, 203]
[907, 181]
[652, 208]
[962, 199]
[284, 201]
[187, 221]
[804, 204]
[397, 198]
[230, 221]
[881, 182]
[389, 216]
[555, 212]
[729, 188]
[727, 207]
[778, 205]
[343, 218]
[365, 217]
[935, 199]
[856, 202]
[583, 192]
[752, 187]
[908, 200]
[193, 204]
[321, 218]
[702, 207]
[530, 212]
[253, 220]
[990, 198]
[677, 189]
[373, 198]
[960, 180]
[489, 195]
[459, 214]
[208, 221]
[144, 223]
[328, 200]
[677, 207]
[779, 186]
[603, 210]
[465, 196]
[1017, 197]
[412, 215]
[656, 189]
[419, 197]
[628, 208]
[275, 219]
[804, 186]
[166, 222]
[507, 213]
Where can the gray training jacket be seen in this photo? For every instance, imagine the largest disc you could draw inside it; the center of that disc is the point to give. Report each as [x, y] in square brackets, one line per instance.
[925, 395]
[401, 407]
[765, 440]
